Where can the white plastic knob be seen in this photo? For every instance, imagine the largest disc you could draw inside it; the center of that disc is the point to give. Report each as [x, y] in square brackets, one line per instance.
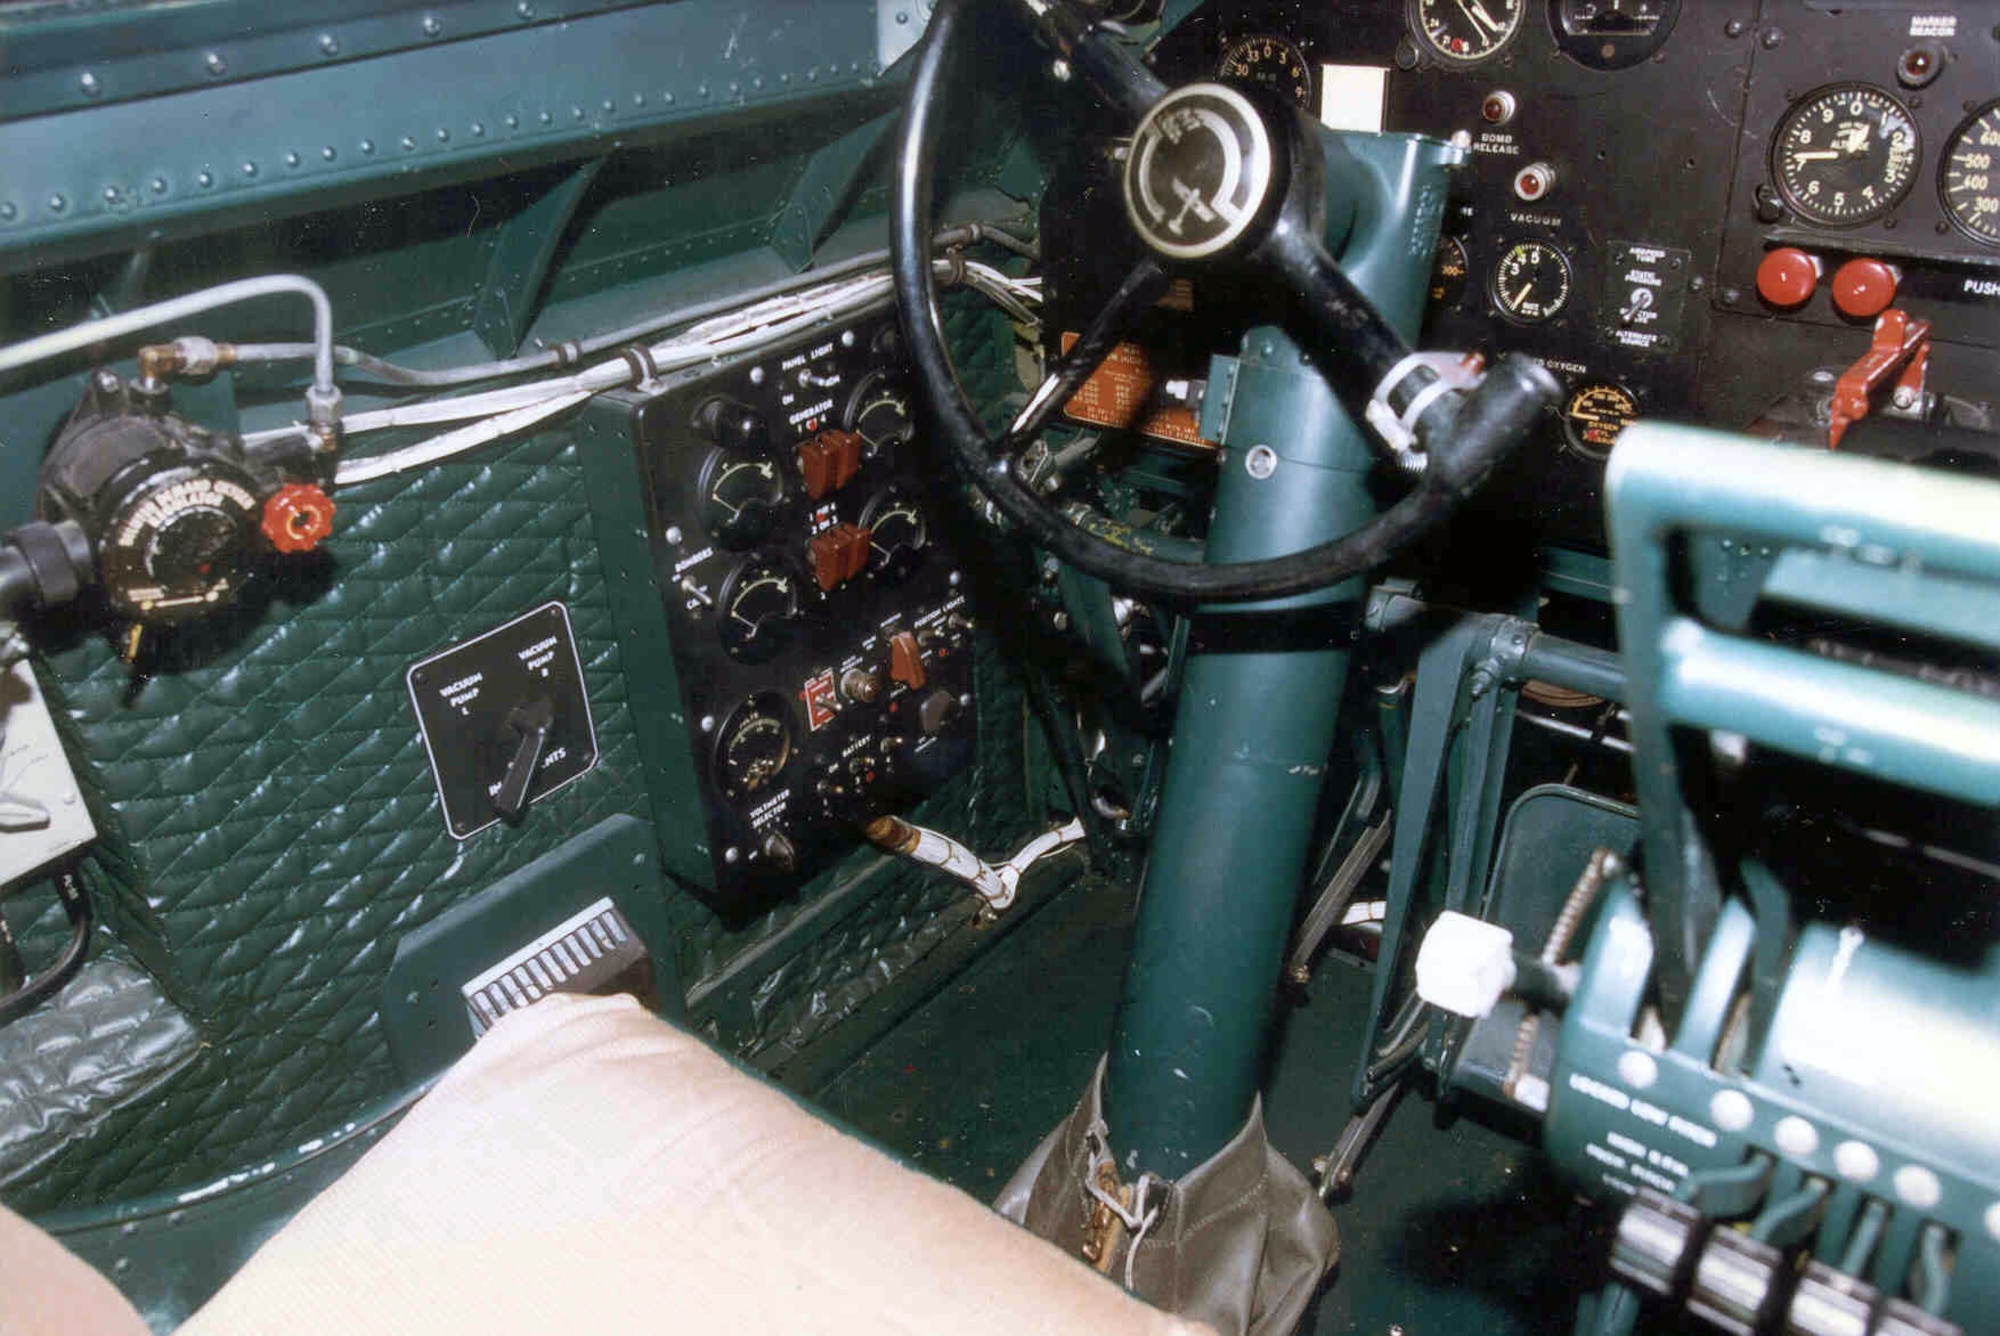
[1465, 964]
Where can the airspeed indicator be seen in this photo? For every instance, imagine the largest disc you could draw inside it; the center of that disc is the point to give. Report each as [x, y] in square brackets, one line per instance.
[1969, 180]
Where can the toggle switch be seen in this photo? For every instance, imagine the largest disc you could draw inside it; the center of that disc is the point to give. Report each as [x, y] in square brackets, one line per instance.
[529, 724]
[906, 661]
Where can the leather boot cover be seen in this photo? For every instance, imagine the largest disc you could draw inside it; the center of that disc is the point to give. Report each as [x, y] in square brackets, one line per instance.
[1239, 1242]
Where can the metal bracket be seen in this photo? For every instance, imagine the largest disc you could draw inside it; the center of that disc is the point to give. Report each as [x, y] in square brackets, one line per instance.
[524, 249]
[825, 189]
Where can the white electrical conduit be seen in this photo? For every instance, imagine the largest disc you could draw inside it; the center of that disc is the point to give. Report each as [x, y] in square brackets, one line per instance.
[180, 308]
[457, 442]
[518, 407]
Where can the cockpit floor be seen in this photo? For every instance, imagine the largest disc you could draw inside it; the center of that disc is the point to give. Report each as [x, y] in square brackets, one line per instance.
[1452, 1225]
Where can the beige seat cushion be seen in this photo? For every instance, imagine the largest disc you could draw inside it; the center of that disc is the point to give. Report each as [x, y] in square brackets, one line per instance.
[589, 1169]
[45, 1290]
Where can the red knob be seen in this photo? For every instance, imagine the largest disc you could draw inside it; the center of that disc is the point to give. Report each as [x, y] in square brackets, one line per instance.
[1787, 277]
[1864, 288]
[297, 516]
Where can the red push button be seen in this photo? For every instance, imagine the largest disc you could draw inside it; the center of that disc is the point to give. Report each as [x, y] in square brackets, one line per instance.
[1787, 276]
[1864, 288]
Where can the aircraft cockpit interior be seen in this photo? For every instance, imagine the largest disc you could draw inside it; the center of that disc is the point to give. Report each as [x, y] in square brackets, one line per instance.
[1235, 666]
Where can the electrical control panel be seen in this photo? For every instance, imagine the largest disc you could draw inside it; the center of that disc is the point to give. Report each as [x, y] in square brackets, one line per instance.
[820, 635]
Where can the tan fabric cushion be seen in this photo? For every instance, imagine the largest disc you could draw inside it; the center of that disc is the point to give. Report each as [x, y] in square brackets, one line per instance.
[45, 1290]
[588, 1169]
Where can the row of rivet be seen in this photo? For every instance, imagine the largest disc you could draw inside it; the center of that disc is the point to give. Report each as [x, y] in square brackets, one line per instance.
[58, 204]
[215, 65]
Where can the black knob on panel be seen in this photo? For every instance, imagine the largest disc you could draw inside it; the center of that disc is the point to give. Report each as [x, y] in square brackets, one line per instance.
[937, 712]
[734, 426]
[779, 851]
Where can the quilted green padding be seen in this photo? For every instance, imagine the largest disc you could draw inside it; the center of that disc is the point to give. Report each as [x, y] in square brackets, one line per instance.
[274, 828]
[285, 820]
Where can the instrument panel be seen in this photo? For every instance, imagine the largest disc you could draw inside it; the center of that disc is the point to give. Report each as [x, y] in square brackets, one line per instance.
[821, 640]
[1635, 164]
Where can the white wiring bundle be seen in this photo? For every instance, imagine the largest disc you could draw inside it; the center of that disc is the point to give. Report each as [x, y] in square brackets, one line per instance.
[494, 414]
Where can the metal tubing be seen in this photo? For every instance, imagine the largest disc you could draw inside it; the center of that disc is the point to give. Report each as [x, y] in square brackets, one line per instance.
[1574, 667]
[1899, 729]
[180, 308]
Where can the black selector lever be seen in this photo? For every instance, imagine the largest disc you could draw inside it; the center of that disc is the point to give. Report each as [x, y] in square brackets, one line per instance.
[531, 724]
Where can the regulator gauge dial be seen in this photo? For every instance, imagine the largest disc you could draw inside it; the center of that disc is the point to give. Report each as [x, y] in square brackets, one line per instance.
[1272, 62]
[1465, 32]
[1969, 181]
[752, 616]
[753, 746]
[1845, 155]
[179, 545]
[1532, 282]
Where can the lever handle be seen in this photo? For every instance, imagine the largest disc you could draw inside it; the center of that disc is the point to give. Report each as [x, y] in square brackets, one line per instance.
[532, 721]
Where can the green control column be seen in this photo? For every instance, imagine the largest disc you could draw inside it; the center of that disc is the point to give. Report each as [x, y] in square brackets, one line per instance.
[1261, 696]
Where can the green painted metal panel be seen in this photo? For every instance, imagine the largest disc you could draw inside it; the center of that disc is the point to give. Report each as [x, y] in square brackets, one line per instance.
[1875, 723]
[102, 177]
[523, 249]
[56, 56]
[1666, 485]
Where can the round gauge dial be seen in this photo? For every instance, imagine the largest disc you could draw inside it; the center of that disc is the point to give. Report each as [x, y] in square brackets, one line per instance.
[178, 546]
[758, 602]
[1969, 180]
[1465, 32]
[1532, 282]
[1845, 155]
[897, 533]
[1594, 415]
[1448, 272]
[1272, 62]
[739, 498]
[880, 413]
[1612, 34]
[753, 746]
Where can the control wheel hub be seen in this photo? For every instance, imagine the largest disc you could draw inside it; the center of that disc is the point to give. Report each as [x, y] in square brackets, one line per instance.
[1200, 169]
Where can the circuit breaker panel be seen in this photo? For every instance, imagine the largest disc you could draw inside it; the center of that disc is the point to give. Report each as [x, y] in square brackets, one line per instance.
[820, 635]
